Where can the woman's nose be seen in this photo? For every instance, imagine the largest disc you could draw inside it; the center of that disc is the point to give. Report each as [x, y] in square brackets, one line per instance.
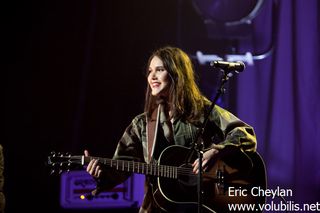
[153, 75]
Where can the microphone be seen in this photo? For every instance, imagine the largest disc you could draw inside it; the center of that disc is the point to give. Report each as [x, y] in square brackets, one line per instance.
[229, 66]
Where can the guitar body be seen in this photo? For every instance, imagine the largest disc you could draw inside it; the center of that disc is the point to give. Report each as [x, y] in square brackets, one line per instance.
[239, 171]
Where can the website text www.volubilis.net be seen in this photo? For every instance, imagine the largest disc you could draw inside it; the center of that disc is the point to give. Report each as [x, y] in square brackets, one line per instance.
[275, 205]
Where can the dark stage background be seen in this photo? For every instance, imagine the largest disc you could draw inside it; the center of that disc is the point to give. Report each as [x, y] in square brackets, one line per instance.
[75, 79]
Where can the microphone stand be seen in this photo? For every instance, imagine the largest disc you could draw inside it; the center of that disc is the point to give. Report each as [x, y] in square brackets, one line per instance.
[198, 145]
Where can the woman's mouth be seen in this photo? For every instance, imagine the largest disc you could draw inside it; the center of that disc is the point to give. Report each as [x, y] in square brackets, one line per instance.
[155, 84]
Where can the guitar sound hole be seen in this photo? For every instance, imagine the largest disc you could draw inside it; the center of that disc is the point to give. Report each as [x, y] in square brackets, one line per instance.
[187, 178]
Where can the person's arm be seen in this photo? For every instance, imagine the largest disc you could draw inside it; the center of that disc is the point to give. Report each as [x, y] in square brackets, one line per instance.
[236, 132]
[128, 148]
[237, 135]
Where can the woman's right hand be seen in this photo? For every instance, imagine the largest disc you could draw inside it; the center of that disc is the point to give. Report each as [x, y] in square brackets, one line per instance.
[93, 167]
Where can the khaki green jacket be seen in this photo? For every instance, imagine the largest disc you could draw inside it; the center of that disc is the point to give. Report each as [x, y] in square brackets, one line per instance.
[223, 129]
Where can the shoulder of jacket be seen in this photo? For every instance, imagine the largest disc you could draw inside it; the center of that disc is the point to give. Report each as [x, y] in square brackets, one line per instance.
[139, 118]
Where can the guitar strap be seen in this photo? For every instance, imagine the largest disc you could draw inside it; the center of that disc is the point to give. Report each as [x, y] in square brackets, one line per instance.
[166, 124]
[152, 130]
[159, 119]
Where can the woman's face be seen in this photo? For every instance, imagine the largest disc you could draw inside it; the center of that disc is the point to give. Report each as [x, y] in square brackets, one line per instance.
[158, 77]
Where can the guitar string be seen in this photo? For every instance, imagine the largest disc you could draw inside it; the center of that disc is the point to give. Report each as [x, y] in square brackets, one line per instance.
[135, 166]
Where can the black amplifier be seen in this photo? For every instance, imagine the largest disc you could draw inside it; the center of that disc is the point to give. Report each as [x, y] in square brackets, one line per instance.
[76, 187]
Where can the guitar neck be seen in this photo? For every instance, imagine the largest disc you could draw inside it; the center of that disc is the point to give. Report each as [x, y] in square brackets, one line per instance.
[136, 167]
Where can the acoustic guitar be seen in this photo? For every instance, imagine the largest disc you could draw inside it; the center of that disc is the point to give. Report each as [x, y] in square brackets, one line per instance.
[229, 180]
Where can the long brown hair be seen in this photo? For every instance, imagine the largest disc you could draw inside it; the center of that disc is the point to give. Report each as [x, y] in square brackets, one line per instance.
[185, 98]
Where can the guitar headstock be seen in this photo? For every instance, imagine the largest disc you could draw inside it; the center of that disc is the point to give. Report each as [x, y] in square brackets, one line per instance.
[60, 162]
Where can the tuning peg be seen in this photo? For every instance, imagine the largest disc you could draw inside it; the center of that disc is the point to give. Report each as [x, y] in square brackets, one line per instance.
[54, 171]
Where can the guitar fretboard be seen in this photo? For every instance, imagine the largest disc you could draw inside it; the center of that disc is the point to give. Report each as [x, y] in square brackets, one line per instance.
[138, 167]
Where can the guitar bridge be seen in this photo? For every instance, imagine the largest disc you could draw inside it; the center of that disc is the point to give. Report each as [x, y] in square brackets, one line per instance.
[220, 181]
